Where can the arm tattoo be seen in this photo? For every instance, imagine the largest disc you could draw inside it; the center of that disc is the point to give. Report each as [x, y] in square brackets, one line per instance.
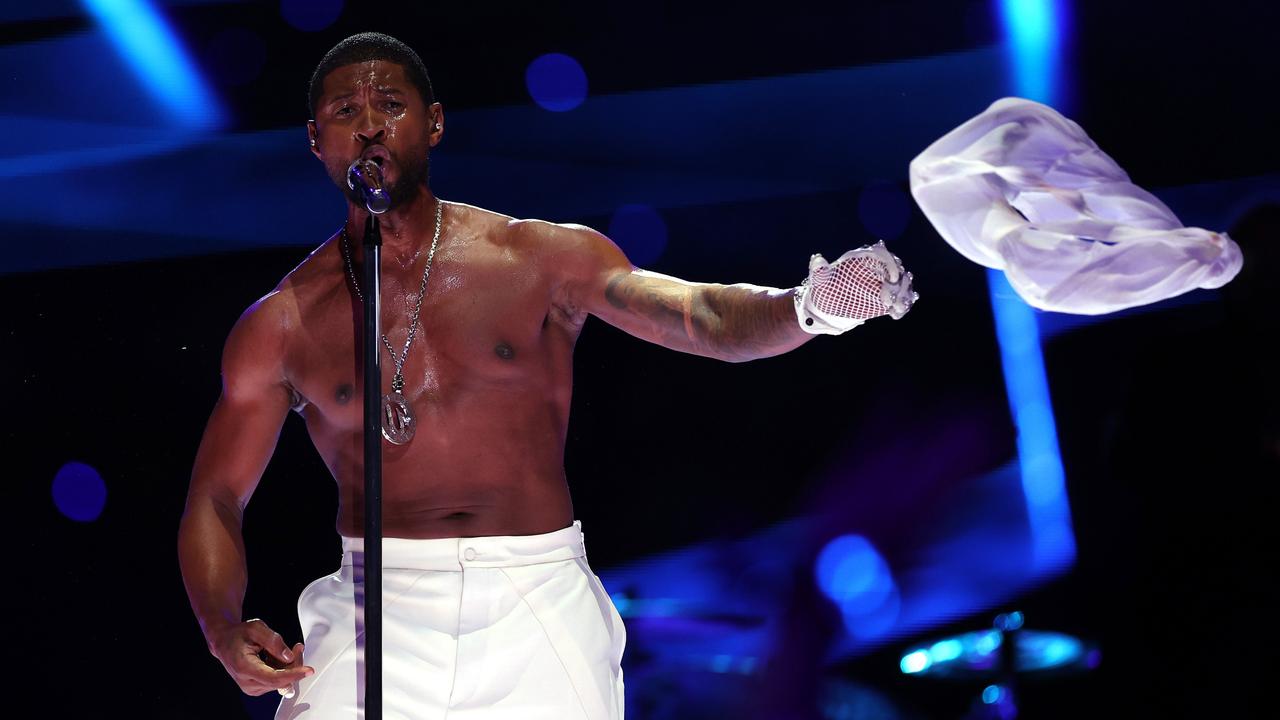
[732, 323]
[755, 322]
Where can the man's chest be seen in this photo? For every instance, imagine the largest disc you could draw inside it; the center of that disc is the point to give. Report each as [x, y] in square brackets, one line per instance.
[485, 319]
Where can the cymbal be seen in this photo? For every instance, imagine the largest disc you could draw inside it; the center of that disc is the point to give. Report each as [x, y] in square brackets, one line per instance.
[1004, 648]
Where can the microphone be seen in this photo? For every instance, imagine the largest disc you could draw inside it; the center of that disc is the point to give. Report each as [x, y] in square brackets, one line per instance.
[366, 176]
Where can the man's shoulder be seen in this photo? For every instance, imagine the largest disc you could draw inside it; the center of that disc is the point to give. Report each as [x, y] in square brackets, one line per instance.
[270, 316]
[552, 238]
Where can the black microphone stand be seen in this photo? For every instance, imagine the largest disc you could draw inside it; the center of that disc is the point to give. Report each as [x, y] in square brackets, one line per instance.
[372, 469]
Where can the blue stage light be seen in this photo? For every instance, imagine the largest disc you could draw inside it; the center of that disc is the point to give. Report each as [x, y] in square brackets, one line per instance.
[1043, 478]
[1047, 650]
[985, 643]
[556, 82]
[915, 662]
[1033, 32]
[1009, 621]
[1033, 36]
[945, 650]
[846, 566]
[991, 694]
[641, 233]
[147, 44]
[79, 492]
[851, 572]
[310, 15]
[622, 603]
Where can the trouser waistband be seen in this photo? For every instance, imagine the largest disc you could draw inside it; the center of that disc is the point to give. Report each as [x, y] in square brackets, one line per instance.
[457, 553]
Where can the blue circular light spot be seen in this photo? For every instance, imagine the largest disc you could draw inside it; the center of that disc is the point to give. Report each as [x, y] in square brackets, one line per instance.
[915, 661]
[556, 82]
[884, 210]
[79, 492]
[852, 573]
[945, 650]
[310, 15]
[236, 56]
[987, 642]
[991, 694]
[1009, 621]
[641, 233]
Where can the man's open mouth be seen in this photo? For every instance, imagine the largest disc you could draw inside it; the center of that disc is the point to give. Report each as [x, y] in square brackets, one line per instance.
[377, 154]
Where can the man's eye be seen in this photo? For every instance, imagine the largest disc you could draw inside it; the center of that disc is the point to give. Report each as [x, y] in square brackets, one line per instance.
[393, 105]
[344, 110]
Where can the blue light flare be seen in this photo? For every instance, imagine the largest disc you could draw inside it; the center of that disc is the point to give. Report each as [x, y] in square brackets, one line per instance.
[79, 492]
[156, 56]
[556, 82]
[851, 572]
[849, 567]
[1043, 479]
[915, 662]
[1033, 36]
[1033, 32]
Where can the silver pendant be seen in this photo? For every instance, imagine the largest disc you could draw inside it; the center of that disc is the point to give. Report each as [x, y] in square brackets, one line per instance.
[397, 419]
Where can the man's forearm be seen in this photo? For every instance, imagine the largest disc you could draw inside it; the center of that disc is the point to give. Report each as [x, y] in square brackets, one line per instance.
[726, 322]
[748, 322]
[211, 555]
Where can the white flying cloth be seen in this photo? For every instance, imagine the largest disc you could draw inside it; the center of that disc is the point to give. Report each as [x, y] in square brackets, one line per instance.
[1022, 189]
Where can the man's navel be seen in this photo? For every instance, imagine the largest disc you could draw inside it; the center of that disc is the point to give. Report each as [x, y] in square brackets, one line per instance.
[504, 351]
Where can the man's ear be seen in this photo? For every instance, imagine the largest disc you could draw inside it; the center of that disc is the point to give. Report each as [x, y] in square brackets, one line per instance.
[436, 129]
[314, 136]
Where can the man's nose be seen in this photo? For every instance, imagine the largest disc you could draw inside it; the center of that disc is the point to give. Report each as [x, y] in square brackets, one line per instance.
[371, 128]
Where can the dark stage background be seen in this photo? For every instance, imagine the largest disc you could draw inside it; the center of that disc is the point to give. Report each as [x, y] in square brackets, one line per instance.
[135, 235]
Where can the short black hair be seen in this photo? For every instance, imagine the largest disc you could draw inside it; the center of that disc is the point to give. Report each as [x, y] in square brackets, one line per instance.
[364, 47]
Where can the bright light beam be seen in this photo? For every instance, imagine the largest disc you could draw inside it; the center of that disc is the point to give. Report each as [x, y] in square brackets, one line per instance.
[1033, 30]
[148, 45]
[1043, 479]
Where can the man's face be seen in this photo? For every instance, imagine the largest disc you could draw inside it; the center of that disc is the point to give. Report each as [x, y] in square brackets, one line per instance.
[371, 110]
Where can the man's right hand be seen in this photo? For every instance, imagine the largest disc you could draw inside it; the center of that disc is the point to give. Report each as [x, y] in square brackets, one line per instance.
[257, 658]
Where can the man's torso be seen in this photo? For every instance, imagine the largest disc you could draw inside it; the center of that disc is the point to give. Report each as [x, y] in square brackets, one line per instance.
[488, 377]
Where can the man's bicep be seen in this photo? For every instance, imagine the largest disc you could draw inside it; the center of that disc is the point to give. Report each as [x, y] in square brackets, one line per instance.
[245, 423]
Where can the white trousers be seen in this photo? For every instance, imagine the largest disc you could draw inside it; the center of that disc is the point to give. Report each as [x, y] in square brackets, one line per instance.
[485, 628]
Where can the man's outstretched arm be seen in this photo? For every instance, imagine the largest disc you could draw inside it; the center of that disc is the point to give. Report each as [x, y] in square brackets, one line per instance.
[728, 322]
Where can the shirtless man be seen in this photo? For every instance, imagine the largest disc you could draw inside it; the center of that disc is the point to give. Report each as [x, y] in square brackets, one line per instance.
[487, 376]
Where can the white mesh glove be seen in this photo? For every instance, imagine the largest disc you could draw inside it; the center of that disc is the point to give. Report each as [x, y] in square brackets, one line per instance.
[859, 285]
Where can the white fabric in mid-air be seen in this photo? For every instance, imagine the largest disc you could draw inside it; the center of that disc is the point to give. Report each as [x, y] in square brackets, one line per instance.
[1022, 189]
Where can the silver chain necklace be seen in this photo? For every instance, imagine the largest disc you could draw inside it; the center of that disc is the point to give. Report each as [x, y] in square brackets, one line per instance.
[398, 423]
